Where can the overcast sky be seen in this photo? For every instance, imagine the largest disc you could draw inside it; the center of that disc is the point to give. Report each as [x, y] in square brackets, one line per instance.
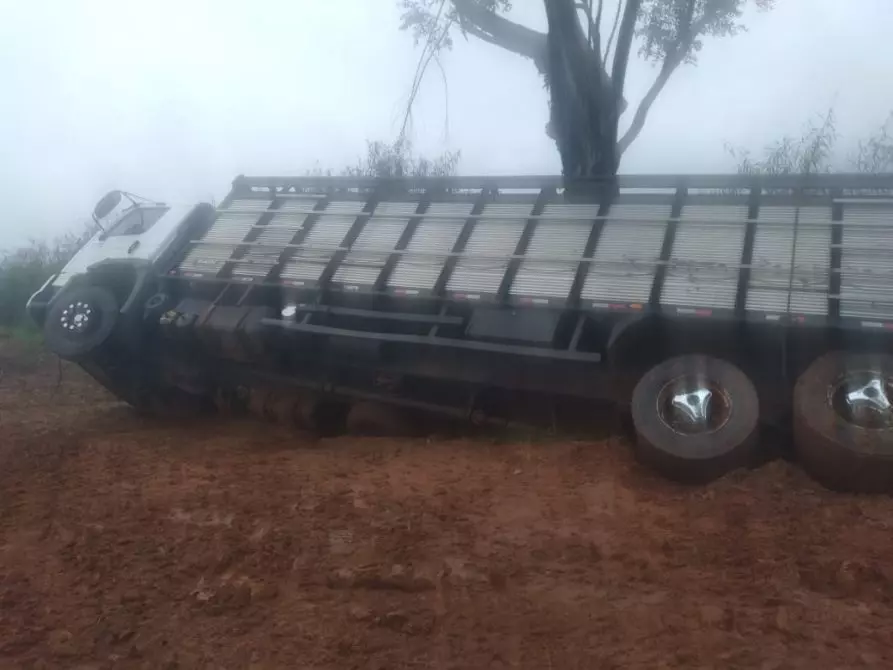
[172, 99]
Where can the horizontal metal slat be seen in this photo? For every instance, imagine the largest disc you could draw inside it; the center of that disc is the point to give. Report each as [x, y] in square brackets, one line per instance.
[623, 262]
[493, 238]
[283, 226]
[772, 269]
[866, 262]
[232, 225]
[248, 205]
[868, 215]
[207, 259]
[437, 235]
[556, 236]
[710, 254]
[328, 233]
[236, 221]
[776, 301]
[362, 265]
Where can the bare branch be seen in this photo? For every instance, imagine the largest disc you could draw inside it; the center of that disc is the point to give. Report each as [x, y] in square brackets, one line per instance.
[624, 44]
[598, 21]
[671, 61]
[431, 50]
[638, 122]
[501, 32]
[594, 24]
[613, 30]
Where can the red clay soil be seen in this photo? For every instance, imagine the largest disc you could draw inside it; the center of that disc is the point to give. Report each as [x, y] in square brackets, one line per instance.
[131, 544]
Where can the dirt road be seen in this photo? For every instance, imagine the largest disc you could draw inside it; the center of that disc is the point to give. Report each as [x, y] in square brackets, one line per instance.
[128, 544]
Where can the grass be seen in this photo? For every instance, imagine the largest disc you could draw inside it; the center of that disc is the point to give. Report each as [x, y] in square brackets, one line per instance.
[27, 334]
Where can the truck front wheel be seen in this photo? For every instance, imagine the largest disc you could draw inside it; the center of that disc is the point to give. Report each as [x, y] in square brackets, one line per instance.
[695, 418]
[79, 321]
[843, 421]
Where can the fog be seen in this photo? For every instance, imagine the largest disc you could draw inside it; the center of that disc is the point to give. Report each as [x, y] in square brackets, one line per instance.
[173, 99]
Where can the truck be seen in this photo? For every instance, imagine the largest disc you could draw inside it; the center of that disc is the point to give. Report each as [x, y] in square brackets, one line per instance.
[705, 308]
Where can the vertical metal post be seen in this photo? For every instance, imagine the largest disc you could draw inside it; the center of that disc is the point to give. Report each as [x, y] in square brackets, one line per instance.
[239, 252]
[544, 196]
[607, 197]
[798, 198]
[750, 232]
[404, 240]
[468, 227]
[371, 203]
[660, 274]
[835, 275]
[300, 235]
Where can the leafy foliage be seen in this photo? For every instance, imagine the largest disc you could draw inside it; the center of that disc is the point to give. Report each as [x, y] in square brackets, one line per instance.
[874, 154]
[810, 153]
[677, 28]
[586, 91]
[427, 19]
[815, 151]
[396, 159]
[23, 271]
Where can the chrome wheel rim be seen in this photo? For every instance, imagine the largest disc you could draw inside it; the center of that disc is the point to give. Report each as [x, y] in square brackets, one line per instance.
[693, 405]
[78, 318]
[864, 398]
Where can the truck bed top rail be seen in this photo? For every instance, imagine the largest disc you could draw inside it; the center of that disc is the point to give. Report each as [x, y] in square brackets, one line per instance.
[792, 248]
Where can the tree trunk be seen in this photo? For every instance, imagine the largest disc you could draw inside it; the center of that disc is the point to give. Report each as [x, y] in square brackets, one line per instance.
[584, 109]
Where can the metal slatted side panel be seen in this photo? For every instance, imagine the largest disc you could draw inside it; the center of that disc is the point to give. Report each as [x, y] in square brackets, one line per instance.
[373, 245]
[554, 236]
[493, 238]
[772, 273]
[704, 264]
[224, 235]
[273, 238]
[623, 264]
[322, 241]
[866, 285]
[421, 265]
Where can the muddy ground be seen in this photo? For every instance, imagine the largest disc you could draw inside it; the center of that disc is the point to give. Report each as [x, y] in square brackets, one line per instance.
[131, 544]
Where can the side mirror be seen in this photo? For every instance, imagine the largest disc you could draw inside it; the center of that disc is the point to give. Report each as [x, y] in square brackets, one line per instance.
[106, 204]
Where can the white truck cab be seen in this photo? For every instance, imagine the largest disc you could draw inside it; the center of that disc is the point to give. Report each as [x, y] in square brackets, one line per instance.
[133, 233]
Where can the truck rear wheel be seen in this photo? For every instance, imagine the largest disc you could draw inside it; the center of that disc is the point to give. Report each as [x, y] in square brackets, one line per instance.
[80, 320]
[695, 418]
[843, 421]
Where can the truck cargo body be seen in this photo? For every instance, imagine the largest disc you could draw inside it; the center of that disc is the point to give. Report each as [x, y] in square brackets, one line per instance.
[499, 299]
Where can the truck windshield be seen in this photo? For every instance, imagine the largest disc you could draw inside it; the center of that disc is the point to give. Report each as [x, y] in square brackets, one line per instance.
[138, 221]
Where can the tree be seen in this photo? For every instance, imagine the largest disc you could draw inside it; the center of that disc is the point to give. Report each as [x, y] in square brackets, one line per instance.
[584, 72]
[815, 151]
[874, 154]
[23, 271]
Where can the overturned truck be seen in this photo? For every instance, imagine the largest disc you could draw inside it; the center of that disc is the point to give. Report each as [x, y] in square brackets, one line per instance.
[705, 306]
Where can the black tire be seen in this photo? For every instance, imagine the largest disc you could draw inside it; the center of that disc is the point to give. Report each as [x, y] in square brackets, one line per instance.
[839, 454]
[378, 420]
[696, 457]
[71, 340]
